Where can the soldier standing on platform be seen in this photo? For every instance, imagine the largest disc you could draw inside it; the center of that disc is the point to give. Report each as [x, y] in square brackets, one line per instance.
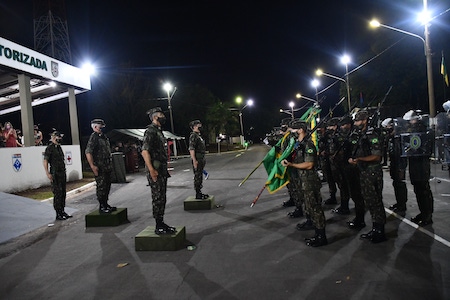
[367, 157]
[154, 152]
[98, 154]
[419, 172]
[54, 156]
[305, 163]
[197, 150]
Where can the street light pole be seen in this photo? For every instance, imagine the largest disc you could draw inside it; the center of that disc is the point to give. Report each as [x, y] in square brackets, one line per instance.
[345, 60]
[168, 88]
[249, 103]
[291, 105]
[427, 49]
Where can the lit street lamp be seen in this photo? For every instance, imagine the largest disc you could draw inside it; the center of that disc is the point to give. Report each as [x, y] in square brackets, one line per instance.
[315, 83]
[168, 88]
[249, 103]
[319, 72]
[345, 59]
[300, 96]
[291, 111]
[427, 49]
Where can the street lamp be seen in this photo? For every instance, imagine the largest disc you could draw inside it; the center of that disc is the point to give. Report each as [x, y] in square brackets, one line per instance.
[168, 88]
[315, 83]
[319, 72]
[427, 49]
[249, 103]
[300, 96]
[345, 59]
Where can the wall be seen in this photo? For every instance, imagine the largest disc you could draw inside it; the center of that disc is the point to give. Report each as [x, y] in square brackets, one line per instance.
[22, 168]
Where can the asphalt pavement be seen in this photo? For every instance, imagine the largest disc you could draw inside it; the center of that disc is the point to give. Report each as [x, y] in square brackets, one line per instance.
[236, 251]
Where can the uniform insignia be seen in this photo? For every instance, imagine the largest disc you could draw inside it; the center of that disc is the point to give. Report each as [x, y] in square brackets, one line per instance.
[374, 141]
[309, 151]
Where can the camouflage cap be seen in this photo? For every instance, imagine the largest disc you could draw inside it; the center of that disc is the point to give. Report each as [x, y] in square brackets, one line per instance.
[98, 121]
[56, 133]
[345, 120]
[154, 110]
[298, 124]
[193, 123]
[333, 121]
[361, 115]
[285, 121]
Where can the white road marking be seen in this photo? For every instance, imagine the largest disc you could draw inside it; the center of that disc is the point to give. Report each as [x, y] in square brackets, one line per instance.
[422, 229]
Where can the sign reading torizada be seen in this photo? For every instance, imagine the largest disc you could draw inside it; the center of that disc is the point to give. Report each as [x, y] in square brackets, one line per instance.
[22, 58]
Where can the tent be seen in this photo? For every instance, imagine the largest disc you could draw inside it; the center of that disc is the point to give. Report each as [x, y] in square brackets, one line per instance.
[121, 134]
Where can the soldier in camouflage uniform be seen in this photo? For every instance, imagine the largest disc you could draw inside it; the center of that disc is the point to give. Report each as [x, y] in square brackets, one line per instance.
[305, 162]
[367, 156]
[197, 150]
[324, 157]
[295, 198]
[154, 152]
[54, 156]
[397, 167]
[351, 173]
[98, 154]
[337, 164]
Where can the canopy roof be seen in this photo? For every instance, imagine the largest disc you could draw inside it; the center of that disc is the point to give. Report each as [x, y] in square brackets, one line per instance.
[139, 134]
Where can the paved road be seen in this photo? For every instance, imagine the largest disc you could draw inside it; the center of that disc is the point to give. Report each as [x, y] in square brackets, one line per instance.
[241, 252]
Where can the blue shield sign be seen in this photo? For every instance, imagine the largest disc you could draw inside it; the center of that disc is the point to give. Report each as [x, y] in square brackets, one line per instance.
[17, 162]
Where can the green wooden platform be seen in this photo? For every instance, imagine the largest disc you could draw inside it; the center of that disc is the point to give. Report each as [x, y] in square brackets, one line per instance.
[197, 204]
[147, 240]
[115, 218]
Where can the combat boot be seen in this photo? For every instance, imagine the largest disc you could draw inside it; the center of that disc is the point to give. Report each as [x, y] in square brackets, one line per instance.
[376, 235]
[60, 216]
[356, 224]
[111, 208]
[66, 215]
[319, 239]
[307, 225]
[201, 196]
[103, 209]
[297, 213]
[163, 228]
[289, 203]
[331, 200]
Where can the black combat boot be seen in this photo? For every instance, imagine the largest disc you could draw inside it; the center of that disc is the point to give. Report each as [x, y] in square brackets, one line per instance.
[376, 235]
[289, 203]
[111, 208]
[60, 216]
[331, 200]
[103, 208]
[66, 215]
[199, 195]
[356, 223]
[307, 225]
[163, 228]
[297, 213]
[320, 239]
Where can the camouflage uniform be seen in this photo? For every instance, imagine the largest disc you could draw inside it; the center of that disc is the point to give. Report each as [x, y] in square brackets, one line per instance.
[309, 184]
[98, 146]
[55, 157]
[197, 144]
[371, 174]
[337, 166]
[326, 166]
[155, 143]
[293, 191]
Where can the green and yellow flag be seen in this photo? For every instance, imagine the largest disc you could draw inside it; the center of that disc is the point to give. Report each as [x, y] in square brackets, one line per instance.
[310, 117]
[444, 70]
[278, 176]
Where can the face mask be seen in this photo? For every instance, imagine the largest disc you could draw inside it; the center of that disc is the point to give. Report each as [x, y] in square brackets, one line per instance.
[359, 127]
[344, 130]
[162, 120]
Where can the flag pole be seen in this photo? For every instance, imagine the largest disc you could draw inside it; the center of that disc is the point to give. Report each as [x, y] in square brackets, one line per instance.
[257, 197]
[248, 176]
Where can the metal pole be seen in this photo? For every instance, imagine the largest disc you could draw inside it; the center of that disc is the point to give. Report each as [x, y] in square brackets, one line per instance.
[347, 83]
[292, 112]
[170, 111]
[429, 68]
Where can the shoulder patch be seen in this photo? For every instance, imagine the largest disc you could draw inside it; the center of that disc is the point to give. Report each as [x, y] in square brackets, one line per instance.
[310, 151]
[374, 140]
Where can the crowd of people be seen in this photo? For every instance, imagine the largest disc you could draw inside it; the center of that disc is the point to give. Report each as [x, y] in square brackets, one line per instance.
[349, 152]
[12, 137]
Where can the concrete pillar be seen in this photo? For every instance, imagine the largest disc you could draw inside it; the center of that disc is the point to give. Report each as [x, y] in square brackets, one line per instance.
[26, 113]
[73, 115]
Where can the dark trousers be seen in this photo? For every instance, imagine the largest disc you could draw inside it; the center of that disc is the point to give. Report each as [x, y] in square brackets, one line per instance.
[59, 191]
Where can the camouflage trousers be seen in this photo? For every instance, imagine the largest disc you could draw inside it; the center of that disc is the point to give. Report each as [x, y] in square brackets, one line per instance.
[371, 189]
[294, 193]
[59, 191]
[159, 190]
[399, 184]
[310, 191]
[103, 181]
[354, 187]
[338, 174]
[198, 175]
[328, 174]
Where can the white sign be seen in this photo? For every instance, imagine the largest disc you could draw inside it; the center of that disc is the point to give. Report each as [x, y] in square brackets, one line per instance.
[68, 157]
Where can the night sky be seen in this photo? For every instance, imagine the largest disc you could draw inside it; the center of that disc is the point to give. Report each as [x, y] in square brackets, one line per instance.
[264, 51]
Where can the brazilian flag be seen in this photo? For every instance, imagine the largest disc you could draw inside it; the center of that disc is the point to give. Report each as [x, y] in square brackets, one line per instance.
[310, 117]
[278, 175]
